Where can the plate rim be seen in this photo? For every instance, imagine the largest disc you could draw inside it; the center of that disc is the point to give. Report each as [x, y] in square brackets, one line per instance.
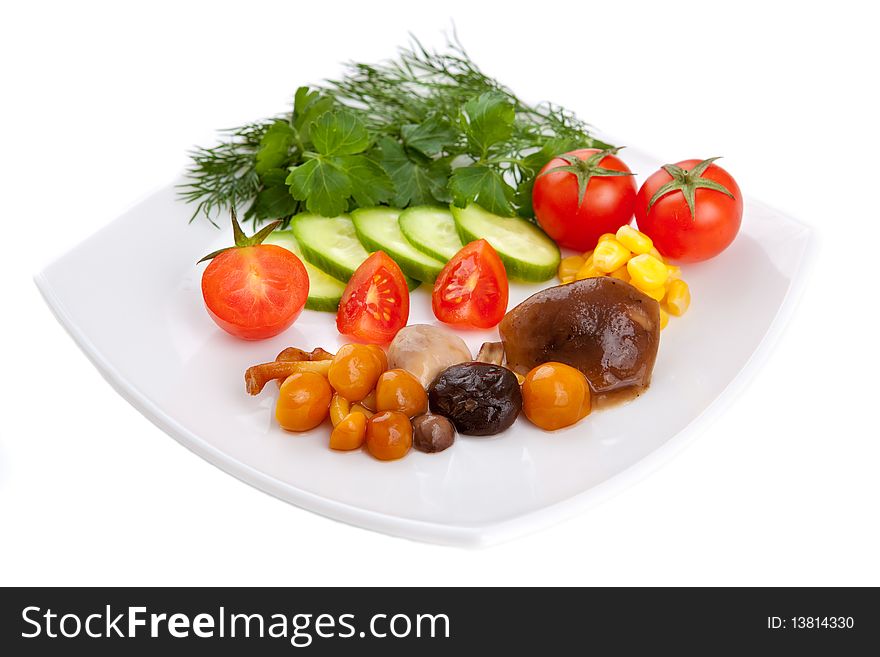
[472, 536]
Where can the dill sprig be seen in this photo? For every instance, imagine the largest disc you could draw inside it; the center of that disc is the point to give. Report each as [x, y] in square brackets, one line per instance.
[223, 176]
[422, 82]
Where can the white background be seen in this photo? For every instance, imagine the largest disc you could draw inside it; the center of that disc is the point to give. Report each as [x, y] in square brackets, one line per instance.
[101, 101]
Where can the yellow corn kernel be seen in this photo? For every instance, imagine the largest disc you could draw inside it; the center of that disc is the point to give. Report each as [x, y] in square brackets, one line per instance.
[621, 273]
[610, 255]
[656, 293]
[674, 272]
[587, 254]
[339, 408]
[647, 272]
[569, 266]
[654, 252]
[605, 236]
[588, 270]
[678, 298]
[664, 319]
[634, 240]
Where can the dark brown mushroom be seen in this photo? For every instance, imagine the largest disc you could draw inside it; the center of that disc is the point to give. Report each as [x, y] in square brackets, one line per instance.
[432, 433]
[480, 399]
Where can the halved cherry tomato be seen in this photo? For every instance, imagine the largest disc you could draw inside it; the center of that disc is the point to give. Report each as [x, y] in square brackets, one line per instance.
[253, 290]
[472, 289]
[375, 304]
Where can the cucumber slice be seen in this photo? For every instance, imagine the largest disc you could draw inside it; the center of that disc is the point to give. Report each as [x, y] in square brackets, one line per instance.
[332, 245]
[329, 243]
[378, 230]
[325, 291]
[528, 254]
[431, 230]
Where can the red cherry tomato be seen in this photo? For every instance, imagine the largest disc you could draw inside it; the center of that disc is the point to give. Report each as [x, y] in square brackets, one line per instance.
[607, 204]
[252, 290]
[472, 289]
[375, 304]
[678, 234]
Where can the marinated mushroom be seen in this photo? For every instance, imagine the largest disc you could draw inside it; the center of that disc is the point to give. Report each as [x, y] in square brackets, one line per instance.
[480, 399]
[491, 352]
[432, 433]
[424, 351]
[603, 326]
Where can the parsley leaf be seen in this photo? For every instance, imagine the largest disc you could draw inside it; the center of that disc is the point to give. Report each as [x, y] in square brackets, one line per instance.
[323, 186]
[414, 184]
[487, 120]
[308, 106]
[281, 145]
[340, 171]
[274, 199]
[484, 186]
[275, 147]
[429, 137]
[370, 185]
[339, 133]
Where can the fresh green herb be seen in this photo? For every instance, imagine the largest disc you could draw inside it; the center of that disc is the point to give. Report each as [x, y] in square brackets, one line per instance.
[417, 180]
[339, 173]
[425, 128]
[225, 176]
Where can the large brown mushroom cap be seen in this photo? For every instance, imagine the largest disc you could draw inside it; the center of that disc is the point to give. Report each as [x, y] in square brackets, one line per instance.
[604, 327]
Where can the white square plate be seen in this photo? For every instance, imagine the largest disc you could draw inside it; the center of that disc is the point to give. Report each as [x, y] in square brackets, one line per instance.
[130, 297]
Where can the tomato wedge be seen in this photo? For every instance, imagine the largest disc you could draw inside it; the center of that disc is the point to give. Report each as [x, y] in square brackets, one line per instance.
[375, 304]
[472, 289]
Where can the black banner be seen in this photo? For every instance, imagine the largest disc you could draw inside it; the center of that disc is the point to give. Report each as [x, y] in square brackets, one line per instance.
[334, 621]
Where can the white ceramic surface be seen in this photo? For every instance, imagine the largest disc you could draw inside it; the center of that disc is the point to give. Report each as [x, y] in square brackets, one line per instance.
[129, 296]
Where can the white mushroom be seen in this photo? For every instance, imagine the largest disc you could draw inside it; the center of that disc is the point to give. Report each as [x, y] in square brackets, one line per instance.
[424, 351]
